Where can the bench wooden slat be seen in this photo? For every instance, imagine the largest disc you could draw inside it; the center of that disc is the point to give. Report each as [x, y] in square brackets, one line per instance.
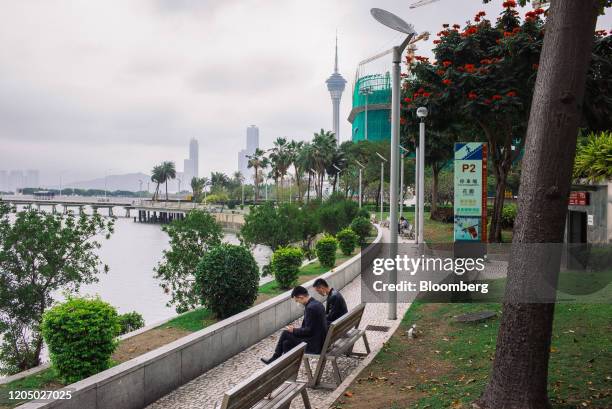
[282, 396]
[341, 337]
[276, 378]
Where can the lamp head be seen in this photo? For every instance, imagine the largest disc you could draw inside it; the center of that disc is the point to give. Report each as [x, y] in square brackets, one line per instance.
[392, 21]
[422, 112]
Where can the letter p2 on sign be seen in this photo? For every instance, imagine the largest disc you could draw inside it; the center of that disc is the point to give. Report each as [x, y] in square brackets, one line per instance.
[470, 191]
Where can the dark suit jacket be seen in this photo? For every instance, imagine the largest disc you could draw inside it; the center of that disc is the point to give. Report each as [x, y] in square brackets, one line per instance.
[314, 327]
[336, 306]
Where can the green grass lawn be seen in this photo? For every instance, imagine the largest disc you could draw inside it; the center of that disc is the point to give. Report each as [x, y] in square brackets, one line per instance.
[448, 364]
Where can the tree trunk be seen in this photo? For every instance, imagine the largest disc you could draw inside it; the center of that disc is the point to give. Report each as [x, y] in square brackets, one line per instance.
[435, 170]
[308, 192]
[520, 369]
[498, 206]
[256, 185]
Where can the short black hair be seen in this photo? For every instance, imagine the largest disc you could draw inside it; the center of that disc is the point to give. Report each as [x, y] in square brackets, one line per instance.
[319, 282]
[299, 290]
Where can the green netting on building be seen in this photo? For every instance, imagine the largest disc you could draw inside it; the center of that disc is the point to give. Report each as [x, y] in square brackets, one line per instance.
[377, 87]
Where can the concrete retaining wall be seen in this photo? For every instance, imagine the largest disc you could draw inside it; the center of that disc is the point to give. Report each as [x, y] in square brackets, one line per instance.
[137, 383]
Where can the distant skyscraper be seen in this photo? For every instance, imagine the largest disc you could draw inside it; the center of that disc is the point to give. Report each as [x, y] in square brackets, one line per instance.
[15, 180]
[335, 85]
[31, 178]
[191, 165]
[194, 155]
[252, 144]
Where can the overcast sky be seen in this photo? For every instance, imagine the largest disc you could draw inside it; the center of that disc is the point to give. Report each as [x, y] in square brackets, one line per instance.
[88, 87]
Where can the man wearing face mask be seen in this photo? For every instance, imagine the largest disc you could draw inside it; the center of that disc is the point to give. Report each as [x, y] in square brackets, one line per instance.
[313, 330]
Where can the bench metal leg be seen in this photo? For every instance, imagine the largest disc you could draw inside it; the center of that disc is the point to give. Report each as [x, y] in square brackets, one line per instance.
[337, 374]
[306, 399]
[319, 371]
[308, 371]
[365, 341]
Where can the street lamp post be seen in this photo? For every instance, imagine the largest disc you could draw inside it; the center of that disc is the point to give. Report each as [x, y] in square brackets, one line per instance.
[392, 21]
[361, 168]
[382, 180]
[401, 194]
[421, 113]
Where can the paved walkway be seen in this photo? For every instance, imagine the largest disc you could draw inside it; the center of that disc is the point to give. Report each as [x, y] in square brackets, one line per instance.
[207, 389]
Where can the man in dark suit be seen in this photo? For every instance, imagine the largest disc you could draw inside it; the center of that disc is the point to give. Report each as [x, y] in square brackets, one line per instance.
[313, 330]
[336, 306]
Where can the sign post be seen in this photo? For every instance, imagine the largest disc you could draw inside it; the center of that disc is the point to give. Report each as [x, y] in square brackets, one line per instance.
[470, 204]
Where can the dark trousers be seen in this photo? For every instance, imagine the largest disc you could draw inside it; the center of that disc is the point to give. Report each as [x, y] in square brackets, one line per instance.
[286, 342]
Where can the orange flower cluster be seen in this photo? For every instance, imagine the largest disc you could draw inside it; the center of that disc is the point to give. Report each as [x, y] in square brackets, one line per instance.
[447, 63]
[509, 4]
[472, 95]
[470, 68]
[511, 94]
[469, 31]
[421, 59]
[496, 97]
[447, 82]
[478, 16]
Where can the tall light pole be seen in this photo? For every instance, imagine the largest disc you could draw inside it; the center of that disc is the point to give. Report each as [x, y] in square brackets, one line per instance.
[421, 113]
[382, 181]
[401, 195]
[179, 185]
[361, 168]
[139, 185]
[392, 21]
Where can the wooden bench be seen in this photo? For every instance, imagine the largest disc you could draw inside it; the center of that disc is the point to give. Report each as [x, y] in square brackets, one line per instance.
[342, 335]
[274, 386]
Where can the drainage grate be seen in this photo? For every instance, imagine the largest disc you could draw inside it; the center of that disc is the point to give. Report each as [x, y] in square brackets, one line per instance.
[379, 328]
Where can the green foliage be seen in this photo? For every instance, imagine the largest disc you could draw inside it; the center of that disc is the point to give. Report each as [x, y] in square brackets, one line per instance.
[130, 321]
[276, 226]
[509, 213]
[348, 240]
[362, 227]
[363, 213]
[219, 197]
[227, 279]
[594, 158]
[600, 258]
[190, 239]
[326, 251]
[337, 213]
[80, 334]
[286, 262]
[41, 255]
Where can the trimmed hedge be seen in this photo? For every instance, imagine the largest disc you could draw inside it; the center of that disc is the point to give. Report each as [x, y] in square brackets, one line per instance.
[362, 227]
[286, 262]
[227, 279]
[348, 240]
[130, 321]
[509, 213]
[80, 335]
[326, 251]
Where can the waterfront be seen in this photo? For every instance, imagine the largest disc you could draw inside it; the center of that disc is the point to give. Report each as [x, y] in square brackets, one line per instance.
[131, 254]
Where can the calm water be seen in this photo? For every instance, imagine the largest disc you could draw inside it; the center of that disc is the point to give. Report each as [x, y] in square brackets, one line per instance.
[131, 254]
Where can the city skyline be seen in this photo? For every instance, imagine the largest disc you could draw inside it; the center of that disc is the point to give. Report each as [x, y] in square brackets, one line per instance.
[80, 100]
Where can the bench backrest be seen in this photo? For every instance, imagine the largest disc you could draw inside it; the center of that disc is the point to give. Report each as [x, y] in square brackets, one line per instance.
[246, 394]
[342, 325]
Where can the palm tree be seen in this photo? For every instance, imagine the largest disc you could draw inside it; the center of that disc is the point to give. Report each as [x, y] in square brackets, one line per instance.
[257, 161]
[219, 180]
[157, 177]
[168, 173]
[280, 160]
[197, 185]
[305, 161]
[324, 144]
[293, 151]
[337, 161]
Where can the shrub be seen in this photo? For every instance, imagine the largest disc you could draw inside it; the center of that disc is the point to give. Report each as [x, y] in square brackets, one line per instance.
[130, 321]
[508, 215]
[362, 227]
[80, 335]
[326, 251]
[363, 213]
[227, 279]
[337, 213]
[286, 262]
[347, 240]
[600, 258]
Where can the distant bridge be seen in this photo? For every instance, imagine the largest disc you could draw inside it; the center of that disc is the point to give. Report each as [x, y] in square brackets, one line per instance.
[147, 211]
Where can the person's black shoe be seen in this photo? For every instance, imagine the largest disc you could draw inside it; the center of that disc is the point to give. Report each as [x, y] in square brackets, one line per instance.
[266, 361]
